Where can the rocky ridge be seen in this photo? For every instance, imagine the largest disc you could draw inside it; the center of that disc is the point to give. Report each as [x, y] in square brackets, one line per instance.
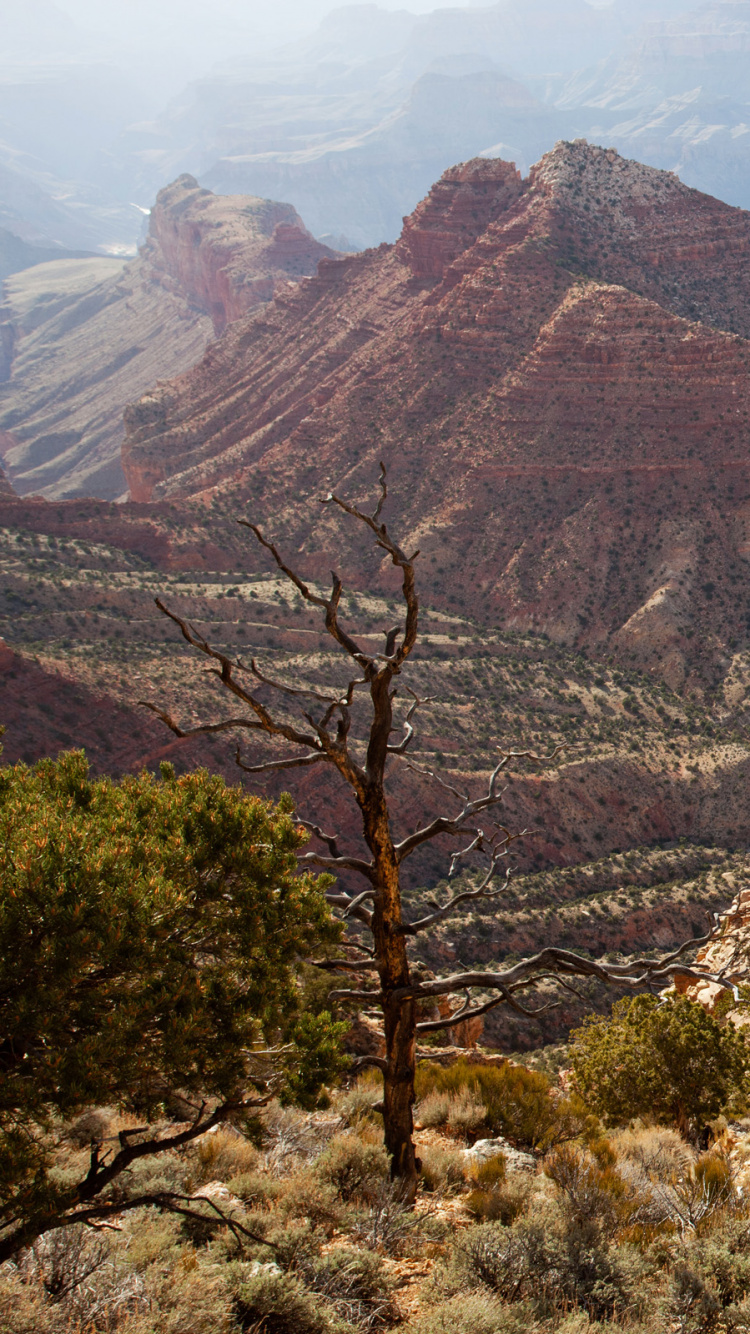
[84, 337]
[556, 371]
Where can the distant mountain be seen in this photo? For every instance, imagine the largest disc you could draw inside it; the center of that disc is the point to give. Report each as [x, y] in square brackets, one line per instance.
[352, 122]
[557, 371]
[678, 98]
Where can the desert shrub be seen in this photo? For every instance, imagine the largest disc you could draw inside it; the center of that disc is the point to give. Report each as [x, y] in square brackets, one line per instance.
[256, 1189]
[23, 1309]
[442, 1169]
[466, 1113]
[270, 1303]
[223, 1154]
[93, 1124]
[356, 1103]
[706, 1189]
[393, 1227]
[668, 1060]
[551, 1262]
[356, 1285]
[162, 1172]
[658, 1153]
[473, 1313]
[518, 1103]
[291, 1137]
[352, 1166]
[306, 1196]
[591, 1191]
[432, 1110]
[152, 1238]
[722, 1257]
[496, 1197]
[295, 1245]
[489, 1172]
[459, 1112]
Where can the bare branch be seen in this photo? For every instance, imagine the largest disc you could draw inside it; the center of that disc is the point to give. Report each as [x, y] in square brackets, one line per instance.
[398, 557]
[383, 480]
[557, 963]
[336, 965]
[227, 726]
[470, 895]
[296, 691]
[404, 744]
[457, 824]
[268, 766]
[268, 724]
[331, 840]
[460, 1016]
[328, 605]
[337, 863]
[363, 996]
[339, 900]
[361, 1063]
[171, 1203]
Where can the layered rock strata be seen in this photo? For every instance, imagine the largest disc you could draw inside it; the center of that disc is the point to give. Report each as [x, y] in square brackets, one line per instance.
[556, 371]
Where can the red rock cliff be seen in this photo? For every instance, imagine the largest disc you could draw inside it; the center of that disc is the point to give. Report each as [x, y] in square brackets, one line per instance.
[557, 371]
[227, 253]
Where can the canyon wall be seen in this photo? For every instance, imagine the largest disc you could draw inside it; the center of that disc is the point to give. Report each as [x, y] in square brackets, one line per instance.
[555, 371]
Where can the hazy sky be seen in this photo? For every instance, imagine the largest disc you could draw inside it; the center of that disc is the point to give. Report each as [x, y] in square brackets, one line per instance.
[279, 20]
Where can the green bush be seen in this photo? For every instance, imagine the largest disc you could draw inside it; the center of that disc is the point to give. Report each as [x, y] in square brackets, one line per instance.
[150, 937]
[518, 1103]
[667, 1060]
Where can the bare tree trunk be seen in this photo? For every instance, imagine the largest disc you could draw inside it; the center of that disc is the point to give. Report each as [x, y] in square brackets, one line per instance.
[398, 1092]
[399, 1015]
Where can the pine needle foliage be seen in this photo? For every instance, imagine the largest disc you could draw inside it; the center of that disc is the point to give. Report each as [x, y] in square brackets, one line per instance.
[150, 936]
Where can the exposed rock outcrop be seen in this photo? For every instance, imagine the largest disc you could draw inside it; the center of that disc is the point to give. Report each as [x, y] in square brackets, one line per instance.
[556, 371]
[79, 339]
[226, 254]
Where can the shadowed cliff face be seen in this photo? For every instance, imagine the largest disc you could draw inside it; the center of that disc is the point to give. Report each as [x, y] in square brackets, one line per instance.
[81, 338]
[555, 370]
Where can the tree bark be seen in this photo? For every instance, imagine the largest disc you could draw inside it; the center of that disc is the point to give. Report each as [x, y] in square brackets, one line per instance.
[399, 1016]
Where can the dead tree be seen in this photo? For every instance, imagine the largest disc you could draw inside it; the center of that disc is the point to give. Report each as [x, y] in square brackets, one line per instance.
[324, 736]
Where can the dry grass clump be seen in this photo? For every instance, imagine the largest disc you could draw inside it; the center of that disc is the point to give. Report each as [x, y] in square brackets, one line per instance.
[355, 1104]
[495, 1195]
[442, 1170]
[460, 1113]
[472, 1313]
[224, 1153]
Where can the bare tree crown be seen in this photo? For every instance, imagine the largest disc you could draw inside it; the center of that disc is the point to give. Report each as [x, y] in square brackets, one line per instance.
[324, 736]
